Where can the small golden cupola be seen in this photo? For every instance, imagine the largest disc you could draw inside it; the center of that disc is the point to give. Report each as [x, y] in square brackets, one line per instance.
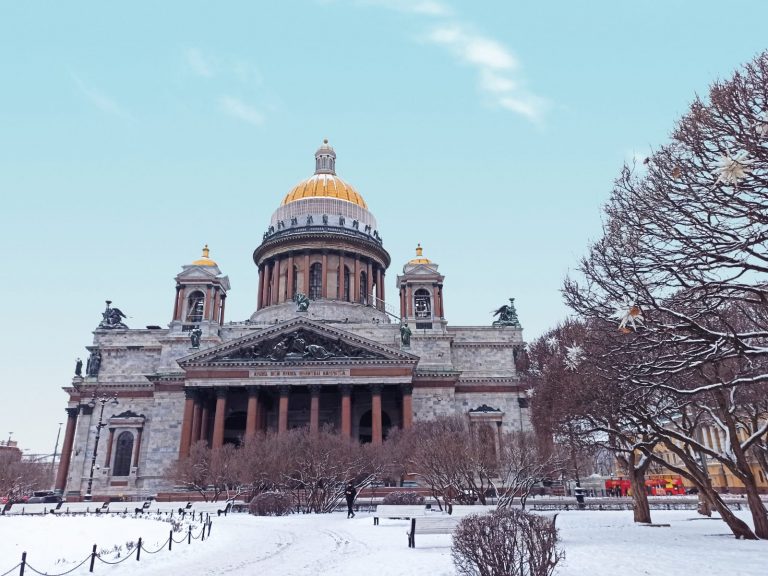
[420, 259]
[204, 260]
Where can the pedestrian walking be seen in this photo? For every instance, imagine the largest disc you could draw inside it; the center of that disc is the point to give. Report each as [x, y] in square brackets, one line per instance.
[350, 493]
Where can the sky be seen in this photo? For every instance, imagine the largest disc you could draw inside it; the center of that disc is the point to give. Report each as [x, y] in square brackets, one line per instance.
[488, 131]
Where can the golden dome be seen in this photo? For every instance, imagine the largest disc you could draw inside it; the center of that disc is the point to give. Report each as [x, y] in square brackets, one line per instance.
[204, 261]
[420, 257]
[324, 183]
[324, 186]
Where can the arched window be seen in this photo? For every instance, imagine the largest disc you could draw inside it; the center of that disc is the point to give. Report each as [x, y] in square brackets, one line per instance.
[315, 281]
[195, 303]
[423, 304]
[123, 453]
[363, 287]
[346, 284]
[295, 282]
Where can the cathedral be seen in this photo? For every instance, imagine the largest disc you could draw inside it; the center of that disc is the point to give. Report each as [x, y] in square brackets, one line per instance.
[330, 343]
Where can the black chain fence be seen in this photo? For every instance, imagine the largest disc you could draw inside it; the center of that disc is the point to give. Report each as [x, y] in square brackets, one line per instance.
[136, 550]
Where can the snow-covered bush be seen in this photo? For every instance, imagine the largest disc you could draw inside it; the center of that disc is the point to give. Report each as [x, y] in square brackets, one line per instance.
[271, 504]
[403, 498]
[507, 542]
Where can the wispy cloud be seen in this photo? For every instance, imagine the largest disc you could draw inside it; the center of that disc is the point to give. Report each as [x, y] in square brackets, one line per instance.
[99, 99]
[498, 69]
[240, 110]
[499, 77]
[199, 63]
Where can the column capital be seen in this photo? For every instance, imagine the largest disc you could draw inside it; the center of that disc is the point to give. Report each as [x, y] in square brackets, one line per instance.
[72, 412]
[285, 390]
[253, 390]
[376, 388]
[345, 389]
[314, 389]
[222, 392]
[190, 393]
[406, 388]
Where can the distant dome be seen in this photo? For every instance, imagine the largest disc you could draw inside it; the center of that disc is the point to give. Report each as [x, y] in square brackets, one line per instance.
[420, 259]
[324, 183]
[204, 261]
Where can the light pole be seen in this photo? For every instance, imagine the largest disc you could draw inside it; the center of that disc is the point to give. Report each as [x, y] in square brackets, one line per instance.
[103, 401]
[55, 450]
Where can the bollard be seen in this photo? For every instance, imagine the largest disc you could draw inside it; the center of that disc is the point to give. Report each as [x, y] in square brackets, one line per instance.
[202, 534]
[209, 528]
[138, 550]
[189, 535]
[170, 541]
[23, 563]
[93, 558]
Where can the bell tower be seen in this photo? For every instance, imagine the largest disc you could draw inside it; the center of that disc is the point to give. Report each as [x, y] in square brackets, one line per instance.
[421, 293]
[201, 293]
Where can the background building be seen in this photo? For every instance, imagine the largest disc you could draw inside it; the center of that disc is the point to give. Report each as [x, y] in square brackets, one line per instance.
[329, 343]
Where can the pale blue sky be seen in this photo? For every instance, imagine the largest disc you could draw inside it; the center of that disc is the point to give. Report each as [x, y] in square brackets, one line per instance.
[488, 131]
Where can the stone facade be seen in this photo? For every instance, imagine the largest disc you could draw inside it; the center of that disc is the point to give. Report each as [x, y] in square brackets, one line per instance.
[344, 361]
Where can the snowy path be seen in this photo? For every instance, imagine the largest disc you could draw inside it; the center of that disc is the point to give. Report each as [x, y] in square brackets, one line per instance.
[596, 544]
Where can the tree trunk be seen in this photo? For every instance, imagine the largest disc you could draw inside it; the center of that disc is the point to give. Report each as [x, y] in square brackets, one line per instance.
[739, 528]
[705, 507]
[640, 506]
[759, 513]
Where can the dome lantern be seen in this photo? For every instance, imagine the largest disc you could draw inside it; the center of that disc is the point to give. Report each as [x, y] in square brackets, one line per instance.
[325, 159]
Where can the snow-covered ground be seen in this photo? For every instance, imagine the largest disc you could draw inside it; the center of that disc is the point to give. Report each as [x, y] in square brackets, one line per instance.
[595, 543]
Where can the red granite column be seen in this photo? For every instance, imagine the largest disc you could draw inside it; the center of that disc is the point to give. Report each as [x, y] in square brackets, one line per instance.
[376, 414]
[110, 438]
[324, 292]
[282, 414]
[306, 274]
[407, 406]
[289, 280]
[346, 410]
[219, 417]
[274, 289]
[369, 283]
[409, 301]
[314, 408]
[265, 291]
[221, 311]
[252, 412]
[402, 303]
[260, 294]
[177, 303]
[186, 424]
[137, 447]
[207, 306]
[340, 279]
[196, 413]
[66, 450]
[355, 295]
[204, 418]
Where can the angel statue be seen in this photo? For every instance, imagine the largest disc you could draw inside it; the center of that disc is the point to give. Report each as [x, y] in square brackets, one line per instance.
[112, 317]
[302, 302]
[507, 315]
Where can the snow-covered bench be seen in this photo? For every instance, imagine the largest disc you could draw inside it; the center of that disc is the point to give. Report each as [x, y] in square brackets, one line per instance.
[20, 508]
[398, 511]
[438, 524]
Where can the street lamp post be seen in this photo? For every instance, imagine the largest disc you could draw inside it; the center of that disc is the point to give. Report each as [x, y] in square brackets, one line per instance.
[103, 401]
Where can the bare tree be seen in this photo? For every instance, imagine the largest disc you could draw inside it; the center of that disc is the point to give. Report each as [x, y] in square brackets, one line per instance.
[520, 466]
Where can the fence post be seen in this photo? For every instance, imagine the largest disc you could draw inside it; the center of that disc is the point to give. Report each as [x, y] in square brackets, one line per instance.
[23, 563]
[210, 523]
[170, 540]
[202, 534]
[189, 535]
[138, 550]
[93, 558]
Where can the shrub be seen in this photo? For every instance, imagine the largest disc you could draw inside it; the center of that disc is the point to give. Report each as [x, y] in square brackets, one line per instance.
[403, 498]
[507, 542]
[271, 504]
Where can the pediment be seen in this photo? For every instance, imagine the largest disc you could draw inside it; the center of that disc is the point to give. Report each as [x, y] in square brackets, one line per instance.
[297, 341]
[423, 270]
[198, 273]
